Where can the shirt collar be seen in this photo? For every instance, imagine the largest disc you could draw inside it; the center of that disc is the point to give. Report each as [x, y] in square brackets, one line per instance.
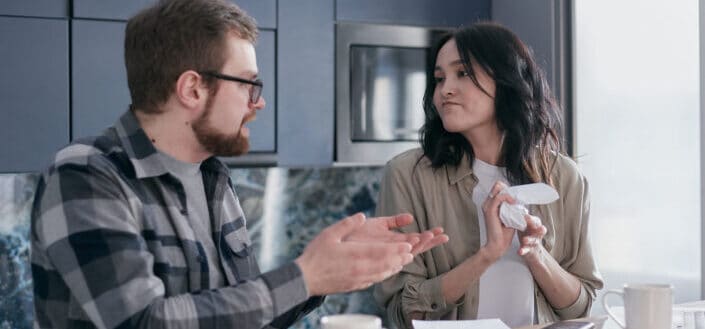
[142, 153]
[459, 172]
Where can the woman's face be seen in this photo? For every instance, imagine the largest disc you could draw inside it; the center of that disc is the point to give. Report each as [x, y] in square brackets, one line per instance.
[463, 106]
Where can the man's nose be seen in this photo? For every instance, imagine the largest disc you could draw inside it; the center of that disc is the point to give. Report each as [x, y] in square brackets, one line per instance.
[260, 104]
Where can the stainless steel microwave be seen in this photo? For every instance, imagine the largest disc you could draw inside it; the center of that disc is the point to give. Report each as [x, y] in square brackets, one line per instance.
[380, 81]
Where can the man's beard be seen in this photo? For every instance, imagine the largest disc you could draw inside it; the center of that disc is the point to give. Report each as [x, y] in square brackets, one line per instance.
[217, 143]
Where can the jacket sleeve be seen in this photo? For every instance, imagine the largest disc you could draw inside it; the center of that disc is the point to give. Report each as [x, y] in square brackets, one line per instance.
[297, 313]
[90, 241]
[411, 290]
[578, 258]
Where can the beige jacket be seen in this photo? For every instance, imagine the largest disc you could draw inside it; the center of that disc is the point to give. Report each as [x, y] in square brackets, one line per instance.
[443, 197]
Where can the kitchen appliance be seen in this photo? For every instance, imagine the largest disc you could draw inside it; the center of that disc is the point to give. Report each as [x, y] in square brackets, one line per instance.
[380, 82]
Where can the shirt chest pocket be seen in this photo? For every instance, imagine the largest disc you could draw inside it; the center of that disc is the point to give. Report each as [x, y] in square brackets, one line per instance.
[236, 250]
[172, 262]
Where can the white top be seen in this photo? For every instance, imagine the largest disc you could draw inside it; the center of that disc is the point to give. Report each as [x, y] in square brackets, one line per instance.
[506, 287]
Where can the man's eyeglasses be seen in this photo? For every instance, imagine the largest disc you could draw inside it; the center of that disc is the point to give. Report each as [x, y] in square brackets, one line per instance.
[255, 90]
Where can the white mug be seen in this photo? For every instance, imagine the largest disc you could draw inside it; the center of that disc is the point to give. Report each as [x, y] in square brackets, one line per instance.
[646, 306]
[351, 321]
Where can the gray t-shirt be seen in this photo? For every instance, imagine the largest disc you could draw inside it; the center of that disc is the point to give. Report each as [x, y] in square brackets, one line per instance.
[199, 218]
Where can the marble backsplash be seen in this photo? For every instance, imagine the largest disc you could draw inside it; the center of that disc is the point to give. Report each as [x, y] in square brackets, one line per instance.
[16, 195]
[285, 209]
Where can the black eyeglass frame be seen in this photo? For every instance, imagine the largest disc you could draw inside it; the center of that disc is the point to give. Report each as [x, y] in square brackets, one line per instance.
[255, 91]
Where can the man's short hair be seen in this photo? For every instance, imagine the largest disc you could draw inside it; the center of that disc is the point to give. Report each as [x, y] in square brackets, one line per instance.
[173, 36]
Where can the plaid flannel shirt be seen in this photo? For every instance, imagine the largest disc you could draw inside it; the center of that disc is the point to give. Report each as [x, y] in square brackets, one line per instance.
[112, 246]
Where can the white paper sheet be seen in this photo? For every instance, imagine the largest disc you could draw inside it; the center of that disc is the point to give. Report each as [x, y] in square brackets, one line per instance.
[460, 324]
[689, 315]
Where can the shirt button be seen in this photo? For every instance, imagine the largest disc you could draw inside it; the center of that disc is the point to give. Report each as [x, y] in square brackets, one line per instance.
[434, 306]
[184, 212]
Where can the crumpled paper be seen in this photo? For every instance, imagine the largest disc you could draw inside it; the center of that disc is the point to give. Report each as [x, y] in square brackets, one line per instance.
[512, 215]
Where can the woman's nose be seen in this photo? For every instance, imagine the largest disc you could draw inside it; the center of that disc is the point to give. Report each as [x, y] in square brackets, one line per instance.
[448, 88]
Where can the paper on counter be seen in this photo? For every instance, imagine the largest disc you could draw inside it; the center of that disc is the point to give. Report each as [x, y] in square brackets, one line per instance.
[459, 324]
[689, 315]
[512, 215]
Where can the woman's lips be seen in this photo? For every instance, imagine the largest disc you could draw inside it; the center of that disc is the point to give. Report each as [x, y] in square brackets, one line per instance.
[449, 104]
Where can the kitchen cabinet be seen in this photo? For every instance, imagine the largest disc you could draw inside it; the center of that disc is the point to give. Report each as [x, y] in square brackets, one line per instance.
[35, 8]
[263, 129]
[264, 11]
[305, 79]
[447, 13]
[99, 81]
[108, 9]
[538, 24]
[34, 91]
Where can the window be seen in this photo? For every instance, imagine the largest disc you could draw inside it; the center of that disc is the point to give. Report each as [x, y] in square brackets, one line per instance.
[637, 139]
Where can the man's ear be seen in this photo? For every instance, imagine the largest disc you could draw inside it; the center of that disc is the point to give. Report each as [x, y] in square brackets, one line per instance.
[190, 90]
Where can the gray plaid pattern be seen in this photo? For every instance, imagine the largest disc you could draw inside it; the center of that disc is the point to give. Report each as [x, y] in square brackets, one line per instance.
[112, 246]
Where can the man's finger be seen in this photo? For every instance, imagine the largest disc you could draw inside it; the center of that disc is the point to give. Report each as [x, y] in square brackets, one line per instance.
[419, 248]
[345, 226]
[379, 258]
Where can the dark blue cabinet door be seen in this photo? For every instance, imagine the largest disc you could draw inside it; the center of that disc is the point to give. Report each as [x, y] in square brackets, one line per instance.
[305, 63]
[263, 130]
[99, 82]
[108, 9]
[34, 92]
[450, 13]
[264, 11]
[37, 8]
[535, 22]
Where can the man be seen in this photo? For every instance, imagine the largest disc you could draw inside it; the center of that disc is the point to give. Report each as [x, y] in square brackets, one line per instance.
[140, 227]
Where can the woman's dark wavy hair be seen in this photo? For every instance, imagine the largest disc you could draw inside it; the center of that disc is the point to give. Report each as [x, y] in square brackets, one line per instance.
[525, 108]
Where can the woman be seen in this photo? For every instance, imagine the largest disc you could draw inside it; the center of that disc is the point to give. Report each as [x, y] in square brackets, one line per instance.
[491, 121]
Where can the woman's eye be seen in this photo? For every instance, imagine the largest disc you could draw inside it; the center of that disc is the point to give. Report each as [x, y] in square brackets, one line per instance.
[463, 73]
[438, 79]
